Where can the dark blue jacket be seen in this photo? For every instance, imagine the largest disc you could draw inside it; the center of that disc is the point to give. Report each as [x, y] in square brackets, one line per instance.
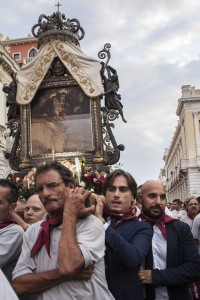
[126, 247]
[182, 266]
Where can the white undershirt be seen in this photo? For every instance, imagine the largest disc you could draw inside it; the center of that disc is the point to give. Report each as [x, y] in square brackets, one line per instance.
[159, 249]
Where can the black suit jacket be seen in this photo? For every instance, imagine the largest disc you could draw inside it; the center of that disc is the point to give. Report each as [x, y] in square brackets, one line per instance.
[126, 247]
[182, 266]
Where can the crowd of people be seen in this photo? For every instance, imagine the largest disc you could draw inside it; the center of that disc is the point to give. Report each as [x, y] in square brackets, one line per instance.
[128, 244]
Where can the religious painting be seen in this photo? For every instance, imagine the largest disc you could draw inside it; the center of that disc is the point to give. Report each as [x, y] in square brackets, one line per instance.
[61, 121]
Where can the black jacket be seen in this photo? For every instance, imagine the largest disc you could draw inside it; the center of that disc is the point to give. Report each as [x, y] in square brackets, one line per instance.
[182, 266]
[126, 247]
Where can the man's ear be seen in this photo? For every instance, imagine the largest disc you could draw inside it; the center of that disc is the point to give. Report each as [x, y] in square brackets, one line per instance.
[133, 201]
[12, 207]
[71, 185]
[139, 197]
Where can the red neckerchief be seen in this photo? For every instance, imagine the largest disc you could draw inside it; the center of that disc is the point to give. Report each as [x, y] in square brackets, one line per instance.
[6, 223]
[44, 235]
[159, 222]
[128, 215]
[190, 216]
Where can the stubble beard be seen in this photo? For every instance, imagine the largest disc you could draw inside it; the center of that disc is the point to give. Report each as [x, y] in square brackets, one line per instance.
[150, 214]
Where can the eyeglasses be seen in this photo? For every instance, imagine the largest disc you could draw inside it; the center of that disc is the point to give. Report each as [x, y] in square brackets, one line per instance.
[50, 186]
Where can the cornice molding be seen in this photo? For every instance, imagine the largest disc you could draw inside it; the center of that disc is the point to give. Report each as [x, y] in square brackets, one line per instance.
[24, 40]
[182, 101]
[7, 62]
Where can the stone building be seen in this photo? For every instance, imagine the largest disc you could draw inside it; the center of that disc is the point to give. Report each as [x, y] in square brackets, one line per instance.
[7, 67]
[23, 50]
[182, 158]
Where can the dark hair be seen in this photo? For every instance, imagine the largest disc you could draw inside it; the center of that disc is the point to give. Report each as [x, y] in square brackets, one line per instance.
[65, 173]
[198, 199]
[178, 201]
[13, 193]
[130, 180]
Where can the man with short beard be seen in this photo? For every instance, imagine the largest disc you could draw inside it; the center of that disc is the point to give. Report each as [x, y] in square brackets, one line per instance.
[173, 261]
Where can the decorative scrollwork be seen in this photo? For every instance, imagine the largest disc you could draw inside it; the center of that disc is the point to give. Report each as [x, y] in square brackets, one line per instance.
[13, 108]
[112, 109]
[14, 155]
[111, 149]
[105, 53]
[112, 115]
[57, 24]
[13, 123]
[13, 126]
[110, 83]
[75, 26]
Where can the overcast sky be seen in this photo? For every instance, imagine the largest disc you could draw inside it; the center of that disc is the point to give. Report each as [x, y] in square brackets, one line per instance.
[155, 49]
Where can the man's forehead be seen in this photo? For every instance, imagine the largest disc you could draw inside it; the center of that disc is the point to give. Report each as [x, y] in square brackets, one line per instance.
[120, 179]
[192, 201]
[118, 184]
[153, 186]
[155, 192]
[48, 176]
[4, 190]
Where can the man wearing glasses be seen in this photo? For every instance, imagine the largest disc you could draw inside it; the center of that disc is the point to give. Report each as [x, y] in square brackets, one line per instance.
[63, 256]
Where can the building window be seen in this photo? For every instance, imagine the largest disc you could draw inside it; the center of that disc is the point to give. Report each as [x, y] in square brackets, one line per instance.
[16, 56]
[32, 53]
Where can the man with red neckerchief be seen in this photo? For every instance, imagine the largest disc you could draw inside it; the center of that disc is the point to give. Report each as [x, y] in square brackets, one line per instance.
[127, 239]
[11, 234]
[63, 255]
[173, 260]
[192, 211]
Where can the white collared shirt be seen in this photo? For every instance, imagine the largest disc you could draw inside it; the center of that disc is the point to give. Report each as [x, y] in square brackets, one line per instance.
[6, 289]
[159, 249]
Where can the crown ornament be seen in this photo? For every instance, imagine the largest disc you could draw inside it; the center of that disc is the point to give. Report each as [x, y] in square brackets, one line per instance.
[57, 26]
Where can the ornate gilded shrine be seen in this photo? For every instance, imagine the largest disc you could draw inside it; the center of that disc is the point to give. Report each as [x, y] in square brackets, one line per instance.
[63, 103]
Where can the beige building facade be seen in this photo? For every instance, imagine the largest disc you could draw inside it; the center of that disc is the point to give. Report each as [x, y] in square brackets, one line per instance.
[7, 67]
[182, 159]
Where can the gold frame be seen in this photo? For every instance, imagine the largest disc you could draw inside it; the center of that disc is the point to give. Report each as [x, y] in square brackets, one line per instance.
[28, 160]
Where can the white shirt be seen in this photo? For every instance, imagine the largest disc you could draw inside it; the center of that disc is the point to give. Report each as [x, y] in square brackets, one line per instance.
[90, 235]
[7, 292]
[11, 238]
[159, 249]
[196, 229]
[178, 213]
[187, 220]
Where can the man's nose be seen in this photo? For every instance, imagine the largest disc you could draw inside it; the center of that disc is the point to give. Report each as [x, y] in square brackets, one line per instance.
[45, 192]
[29, 212]
[158, 199]
[116, 193]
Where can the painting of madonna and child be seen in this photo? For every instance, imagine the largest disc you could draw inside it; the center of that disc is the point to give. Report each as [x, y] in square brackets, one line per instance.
[61, 121]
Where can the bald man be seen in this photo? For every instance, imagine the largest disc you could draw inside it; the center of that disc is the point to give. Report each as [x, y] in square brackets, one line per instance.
[34, 210]
[173, 261]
